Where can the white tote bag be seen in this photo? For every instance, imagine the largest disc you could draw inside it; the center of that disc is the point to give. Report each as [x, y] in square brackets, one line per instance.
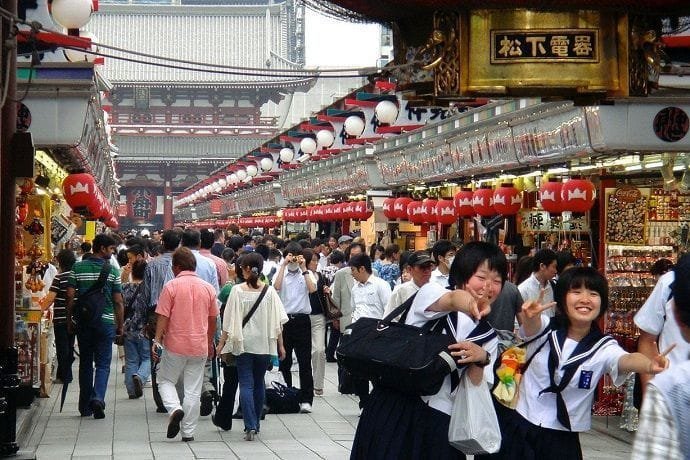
[473, 426]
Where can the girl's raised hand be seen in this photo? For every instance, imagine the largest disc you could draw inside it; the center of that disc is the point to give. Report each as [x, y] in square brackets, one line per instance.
[533, 308]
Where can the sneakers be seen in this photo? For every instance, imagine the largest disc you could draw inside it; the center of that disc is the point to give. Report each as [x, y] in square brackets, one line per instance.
[206, 404]
[250, 435]
[318, 391]
[187, 439]
[98, 409]
[305, 408]
[138, 386]
[174, 423]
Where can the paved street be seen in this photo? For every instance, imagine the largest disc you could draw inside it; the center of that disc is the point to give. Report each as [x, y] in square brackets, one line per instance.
[133, 430]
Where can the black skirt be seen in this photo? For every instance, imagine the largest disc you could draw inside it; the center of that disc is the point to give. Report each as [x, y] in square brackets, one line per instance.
[398, 426]
[522, 440]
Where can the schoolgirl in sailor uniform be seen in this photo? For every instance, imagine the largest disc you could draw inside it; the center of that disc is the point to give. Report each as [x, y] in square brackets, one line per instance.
[399, 426]
[557, 389]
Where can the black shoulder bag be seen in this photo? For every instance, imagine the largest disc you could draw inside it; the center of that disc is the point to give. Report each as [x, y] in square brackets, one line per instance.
[90, 305]
[405, 358]
[228, 358]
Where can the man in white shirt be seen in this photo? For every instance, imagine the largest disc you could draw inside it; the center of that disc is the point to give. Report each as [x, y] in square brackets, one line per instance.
[294, 283]
[443, 253]
[370, 295]
[544, 268]
[421, 266]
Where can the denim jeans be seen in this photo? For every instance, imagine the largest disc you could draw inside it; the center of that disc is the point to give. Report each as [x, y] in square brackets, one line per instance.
[64, 351]
[95, 349]
[137, 360]
[251, 369]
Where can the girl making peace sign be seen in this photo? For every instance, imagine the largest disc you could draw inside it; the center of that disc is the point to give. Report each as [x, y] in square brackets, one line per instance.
[557, 389]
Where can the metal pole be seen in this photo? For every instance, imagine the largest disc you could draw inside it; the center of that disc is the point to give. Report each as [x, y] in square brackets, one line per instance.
[8, 353]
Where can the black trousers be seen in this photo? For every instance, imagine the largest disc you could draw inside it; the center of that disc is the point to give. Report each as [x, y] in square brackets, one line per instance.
[297, 337]
[332, 338]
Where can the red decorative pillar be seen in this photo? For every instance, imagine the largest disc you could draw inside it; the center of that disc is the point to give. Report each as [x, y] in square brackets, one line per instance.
[167, 198]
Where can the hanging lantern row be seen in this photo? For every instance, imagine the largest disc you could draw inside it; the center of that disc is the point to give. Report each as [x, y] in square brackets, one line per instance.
[576, 195]
[325, 213]
[85, 197]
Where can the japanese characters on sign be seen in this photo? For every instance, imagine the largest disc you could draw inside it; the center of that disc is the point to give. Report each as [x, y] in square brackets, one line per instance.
[541, 221]
[540, 45]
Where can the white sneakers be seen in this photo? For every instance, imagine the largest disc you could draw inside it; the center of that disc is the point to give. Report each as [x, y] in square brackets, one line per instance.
[305, 408]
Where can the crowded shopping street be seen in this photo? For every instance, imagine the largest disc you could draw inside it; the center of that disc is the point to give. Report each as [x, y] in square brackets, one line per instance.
[391, 230]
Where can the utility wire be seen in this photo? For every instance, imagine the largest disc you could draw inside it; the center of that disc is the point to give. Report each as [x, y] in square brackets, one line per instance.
[232, 70]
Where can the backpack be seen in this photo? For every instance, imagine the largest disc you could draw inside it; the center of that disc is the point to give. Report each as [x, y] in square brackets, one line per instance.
[89, 306]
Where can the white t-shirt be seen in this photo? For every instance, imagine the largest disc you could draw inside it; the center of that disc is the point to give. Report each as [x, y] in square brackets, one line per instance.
[418, 315]
[540, 409]
[656, 318]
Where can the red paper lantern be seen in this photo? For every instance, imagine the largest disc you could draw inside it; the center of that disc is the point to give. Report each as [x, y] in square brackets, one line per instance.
[445, 212]
[349, 210]
[388, 204]
[400, 207]
[361, 212]
[463, 203]
[302, 215]
[429, 210]
[507, 200]
[415, 212]
[578, 195]
[327, 212]
[79, 190]
[483, 201]
[550, 196]
[112, 222]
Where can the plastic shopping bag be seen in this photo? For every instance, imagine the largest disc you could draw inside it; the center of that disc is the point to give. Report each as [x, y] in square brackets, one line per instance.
[473, 424]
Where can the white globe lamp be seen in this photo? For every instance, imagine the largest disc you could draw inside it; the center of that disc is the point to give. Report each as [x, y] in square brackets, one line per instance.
[241, 174]
[307, 145]
[354, 125]
[79, 55]
[72, 14]
[233, 178]
[386, 112]
[324, 138]
[266, 164]
[222, 182]
[252, 170]
[286, 155]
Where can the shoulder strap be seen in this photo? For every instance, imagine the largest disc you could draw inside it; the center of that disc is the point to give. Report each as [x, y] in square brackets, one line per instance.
[102, 278]
[256, 305]
[403, 309]
[132, 299]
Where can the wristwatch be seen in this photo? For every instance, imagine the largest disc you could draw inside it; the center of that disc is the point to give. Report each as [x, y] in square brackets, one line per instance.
[305, 272]
[486, 362]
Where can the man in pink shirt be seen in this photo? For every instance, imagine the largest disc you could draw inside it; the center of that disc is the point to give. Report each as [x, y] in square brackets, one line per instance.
[187, 310]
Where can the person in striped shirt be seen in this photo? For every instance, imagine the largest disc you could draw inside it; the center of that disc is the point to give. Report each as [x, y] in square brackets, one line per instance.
[96, 343]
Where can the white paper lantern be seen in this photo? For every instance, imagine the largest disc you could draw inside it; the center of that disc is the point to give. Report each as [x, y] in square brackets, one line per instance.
[79, 55]
[307, 145]
[266, 164]
[233, 178]
[354, 125]
[286, 155]
[217, 187]
[228, 179]
[72, 14]
[252, 170]
[241, 174]
[386, 112]
[222, 182]
[325, 138]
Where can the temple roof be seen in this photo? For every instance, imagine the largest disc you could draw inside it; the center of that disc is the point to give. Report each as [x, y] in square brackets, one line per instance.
[244, 36]
[184, 148]
[391, 10]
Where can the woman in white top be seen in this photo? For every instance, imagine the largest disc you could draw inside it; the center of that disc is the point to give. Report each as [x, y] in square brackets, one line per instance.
[395, 425]
[557, 389]
[254, 342]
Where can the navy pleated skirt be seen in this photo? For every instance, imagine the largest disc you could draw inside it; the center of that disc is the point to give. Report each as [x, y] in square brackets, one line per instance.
[398, 426]
[522, 440]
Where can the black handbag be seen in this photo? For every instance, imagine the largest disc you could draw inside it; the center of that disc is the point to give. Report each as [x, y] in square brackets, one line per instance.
[281, 399]
[409, 359]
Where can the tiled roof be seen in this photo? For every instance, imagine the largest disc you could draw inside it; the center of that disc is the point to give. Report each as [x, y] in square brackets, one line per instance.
[221, 35]
[184, 148]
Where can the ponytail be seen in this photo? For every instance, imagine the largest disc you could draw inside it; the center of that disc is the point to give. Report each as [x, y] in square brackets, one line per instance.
[253, 278]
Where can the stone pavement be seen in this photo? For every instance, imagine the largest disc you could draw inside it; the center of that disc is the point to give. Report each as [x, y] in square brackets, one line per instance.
[133, 430]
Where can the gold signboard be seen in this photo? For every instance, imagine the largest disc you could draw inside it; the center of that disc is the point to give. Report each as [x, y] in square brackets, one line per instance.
[525, 52]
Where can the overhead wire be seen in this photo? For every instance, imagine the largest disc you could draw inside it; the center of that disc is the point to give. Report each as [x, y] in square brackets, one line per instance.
[208, 67]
